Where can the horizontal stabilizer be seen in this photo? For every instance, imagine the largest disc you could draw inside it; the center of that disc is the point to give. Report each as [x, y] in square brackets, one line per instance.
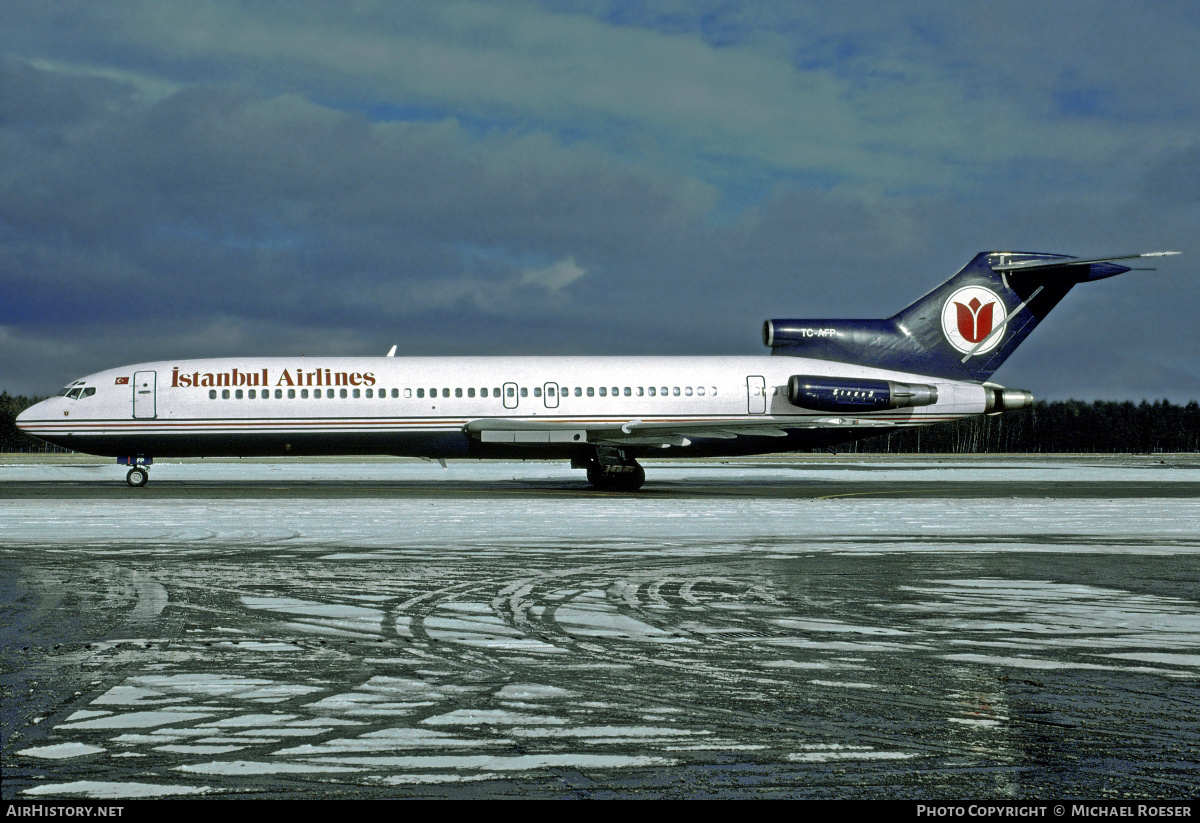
[1006, 265]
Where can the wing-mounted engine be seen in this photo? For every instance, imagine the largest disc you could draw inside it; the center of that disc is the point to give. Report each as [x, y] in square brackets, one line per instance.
[849, 394]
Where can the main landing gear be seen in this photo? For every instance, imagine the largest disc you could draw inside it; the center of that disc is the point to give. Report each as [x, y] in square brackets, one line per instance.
[613, 471]
[137, 476]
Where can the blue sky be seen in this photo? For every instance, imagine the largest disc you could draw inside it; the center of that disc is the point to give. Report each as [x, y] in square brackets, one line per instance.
[193, 179]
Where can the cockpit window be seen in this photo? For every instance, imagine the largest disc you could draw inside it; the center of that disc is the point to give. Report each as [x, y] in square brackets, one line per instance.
[74, 393]
[89, 391]
[64, 391]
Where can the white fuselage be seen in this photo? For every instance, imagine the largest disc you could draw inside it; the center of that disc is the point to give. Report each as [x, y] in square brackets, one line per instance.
[435, 406]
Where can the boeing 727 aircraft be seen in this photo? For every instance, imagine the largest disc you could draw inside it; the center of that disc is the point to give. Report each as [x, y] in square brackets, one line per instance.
[829, 382]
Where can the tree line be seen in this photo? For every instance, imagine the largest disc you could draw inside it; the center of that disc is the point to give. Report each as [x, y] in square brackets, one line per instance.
[1058, 427]
[13, 439]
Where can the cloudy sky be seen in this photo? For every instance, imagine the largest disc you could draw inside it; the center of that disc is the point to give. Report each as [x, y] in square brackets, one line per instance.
[194, 179]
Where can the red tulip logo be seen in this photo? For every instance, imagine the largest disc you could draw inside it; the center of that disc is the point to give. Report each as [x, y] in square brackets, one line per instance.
[975, 320]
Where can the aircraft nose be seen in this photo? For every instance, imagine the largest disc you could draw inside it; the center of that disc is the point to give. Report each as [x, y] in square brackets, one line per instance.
[25, 418]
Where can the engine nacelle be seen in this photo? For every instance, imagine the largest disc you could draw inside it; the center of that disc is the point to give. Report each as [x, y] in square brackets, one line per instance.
[999, 399]
[849, 394]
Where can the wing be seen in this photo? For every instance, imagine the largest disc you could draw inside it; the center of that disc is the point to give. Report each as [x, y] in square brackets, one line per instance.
[638, 432]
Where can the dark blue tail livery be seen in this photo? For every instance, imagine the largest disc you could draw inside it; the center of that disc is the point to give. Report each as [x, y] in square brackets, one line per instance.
[964, 329]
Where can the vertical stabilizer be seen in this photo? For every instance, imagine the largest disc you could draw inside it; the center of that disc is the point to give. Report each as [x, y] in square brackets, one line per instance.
[964, 329]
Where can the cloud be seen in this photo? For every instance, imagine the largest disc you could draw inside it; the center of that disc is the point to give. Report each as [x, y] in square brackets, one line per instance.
[554, 277]
[198, 178]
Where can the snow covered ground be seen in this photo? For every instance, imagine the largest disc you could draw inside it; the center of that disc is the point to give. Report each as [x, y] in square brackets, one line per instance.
[553, 643]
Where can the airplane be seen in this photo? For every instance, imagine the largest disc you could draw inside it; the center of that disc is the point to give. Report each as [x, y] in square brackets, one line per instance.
[825, 382]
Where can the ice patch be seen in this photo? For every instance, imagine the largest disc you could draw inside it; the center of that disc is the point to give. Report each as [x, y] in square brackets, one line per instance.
[1024, 662]
[844, 684]
[405, 779]
[387, 740]
[135, 720]
[532, 692]
[528, 762]
[250, 767]
[591, 615]
[61, 751]
[101, 789]
[1168, 659]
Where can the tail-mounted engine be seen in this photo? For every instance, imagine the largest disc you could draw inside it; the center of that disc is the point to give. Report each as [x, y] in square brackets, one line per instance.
[998, 399]
[847, 394]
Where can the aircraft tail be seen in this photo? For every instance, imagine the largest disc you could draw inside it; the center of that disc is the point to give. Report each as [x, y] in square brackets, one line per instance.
[964, 329]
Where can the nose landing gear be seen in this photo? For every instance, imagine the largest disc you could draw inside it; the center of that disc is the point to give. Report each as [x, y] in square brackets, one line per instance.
[137, 476]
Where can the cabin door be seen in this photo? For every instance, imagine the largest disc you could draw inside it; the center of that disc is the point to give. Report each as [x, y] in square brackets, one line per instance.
[510, 395]
[550, 395]
[756, 394]
[144, 404]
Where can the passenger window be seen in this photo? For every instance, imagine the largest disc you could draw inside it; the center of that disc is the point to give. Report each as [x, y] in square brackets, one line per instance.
[603, 391]
[512, 393]
[578, 391]
[700, 390]
[640, 391]
[343, 394]
[355, 393]
[616, 391]
[592, 392]
[371, 394]
[471, 392]
[537, 391]
[524, 392]
[279, 393]
[549, 391]
[420, 392]
[651, 390]
[688, 391]
[676, 391]
[664, 391]
[483, 392]
[224, 394]
[445, 392]
[495, 392]
[628, 392]
[212, 394]
[292, 393]
[458, 392]
[252, 395]
[714, 390]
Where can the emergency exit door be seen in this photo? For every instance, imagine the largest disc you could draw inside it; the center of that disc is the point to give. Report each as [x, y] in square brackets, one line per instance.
[144, 394]
[756, 394]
